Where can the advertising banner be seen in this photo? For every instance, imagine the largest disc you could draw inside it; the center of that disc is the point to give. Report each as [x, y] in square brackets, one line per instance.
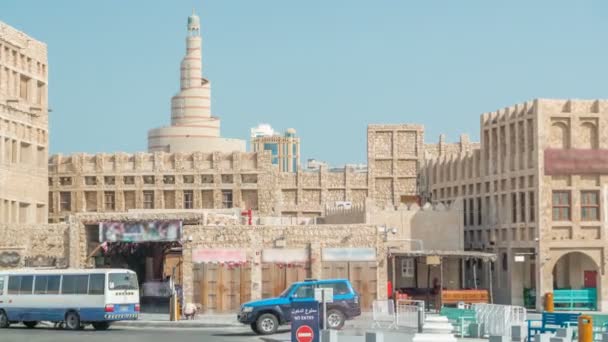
[349, 254]
[576, 161]
[140, 231]
[219, 256]
[305, 322]
[285, 255]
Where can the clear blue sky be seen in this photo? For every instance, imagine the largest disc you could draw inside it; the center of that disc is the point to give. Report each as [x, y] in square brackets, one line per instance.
[326, 68]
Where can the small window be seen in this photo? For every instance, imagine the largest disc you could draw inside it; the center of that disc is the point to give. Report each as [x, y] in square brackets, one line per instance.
[14, 283]
[109, 200]
[227, 179]
[148, 179]
[188, 179]
[128, 180]
[27, 283]
[97, 284]
[169, 179]
[41, 283]
[52, 285]
[109, 180]
[227, 198]
[207, 179]
[148, 199]
[304, 291]
[188, 199]
[561, 205]
[1, 286]
[590, 205]
[74, 284]
[90, 180]
[407, 268]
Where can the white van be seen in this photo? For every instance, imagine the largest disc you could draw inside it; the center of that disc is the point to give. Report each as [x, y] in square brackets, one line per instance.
[75, 297]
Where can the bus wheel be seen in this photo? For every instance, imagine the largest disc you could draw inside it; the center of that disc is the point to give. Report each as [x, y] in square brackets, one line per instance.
[101, 325]
[4, 323]
[30, 324]
[72, 321]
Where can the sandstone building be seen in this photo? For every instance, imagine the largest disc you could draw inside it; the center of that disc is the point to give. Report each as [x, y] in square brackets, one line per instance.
[194, 179]
[535, 193]
[23, 128]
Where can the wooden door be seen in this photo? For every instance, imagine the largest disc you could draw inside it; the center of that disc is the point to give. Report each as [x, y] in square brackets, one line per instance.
[224, 288]
[591, 279]
[210, 287]
[363, 277]
[335, 269]
[276, 278]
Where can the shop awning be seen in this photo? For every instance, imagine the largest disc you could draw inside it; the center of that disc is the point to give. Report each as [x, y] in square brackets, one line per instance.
[448, 254]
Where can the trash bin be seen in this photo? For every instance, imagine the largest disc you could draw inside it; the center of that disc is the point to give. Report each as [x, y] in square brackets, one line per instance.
[549, 306]
[585, 328]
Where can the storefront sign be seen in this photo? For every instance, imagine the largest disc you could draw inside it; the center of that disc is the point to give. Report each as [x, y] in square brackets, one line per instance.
[305, 322]
[219, 255]
[349, 254]
[576, 161]
[140, 231]
[433, 260]
[285, 256]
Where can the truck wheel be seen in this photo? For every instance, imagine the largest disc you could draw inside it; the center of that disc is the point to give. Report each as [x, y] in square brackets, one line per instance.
[267, 324]
[72, 321]
[335, 319]
[4, 322]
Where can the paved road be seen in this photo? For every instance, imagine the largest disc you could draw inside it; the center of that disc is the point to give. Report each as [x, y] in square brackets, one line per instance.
[123, 334]
[18, 334]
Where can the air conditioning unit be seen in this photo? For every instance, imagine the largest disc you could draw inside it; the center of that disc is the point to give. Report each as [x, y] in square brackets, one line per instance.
[344, 204]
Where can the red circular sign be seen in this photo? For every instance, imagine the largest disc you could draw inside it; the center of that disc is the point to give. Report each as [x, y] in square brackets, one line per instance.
[305, 334]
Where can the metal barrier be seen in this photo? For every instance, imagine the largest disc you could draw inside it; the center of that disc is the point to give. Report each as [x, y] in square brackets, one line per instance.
[384, 314]
[410, 314]
[497, 320]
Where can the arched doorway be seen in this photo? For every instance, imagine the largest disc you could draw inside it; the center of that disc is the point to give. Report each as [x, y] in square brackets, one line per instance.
[576, 274]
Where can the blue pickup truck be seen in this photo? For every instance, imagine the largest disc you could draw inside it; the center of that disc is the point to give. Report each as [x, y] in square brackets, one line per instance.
[265, 315]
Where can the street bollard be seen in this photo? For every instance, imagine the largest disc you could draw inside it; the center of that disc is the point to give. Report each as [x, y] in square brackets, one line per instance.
[549, 306]
[329, 336]
[374, 336]
[585, 328]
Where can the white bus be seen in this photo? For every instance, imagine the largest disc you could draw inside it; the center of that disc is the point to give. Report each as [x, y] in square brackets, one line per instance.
[74, 297]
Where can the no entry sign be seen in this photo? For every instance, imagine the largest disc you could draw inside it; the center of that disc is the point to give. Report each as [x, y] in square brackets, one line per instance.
[305, 334]
[305, 321]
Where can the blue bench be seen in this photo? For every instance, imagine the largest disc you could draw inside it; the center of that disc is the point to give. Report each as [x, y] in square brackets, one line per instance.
[582, 299]
[460, 318]
[551, 321]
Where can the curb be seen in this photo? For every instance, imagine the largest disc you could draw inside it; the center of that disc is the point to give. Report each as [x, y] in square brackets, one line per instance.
[176, 324]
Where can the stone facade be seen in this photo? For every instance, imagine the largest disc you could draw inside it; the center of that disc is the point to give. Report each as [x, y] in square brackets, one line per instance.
[34, 245]
[527, 192]
[393, 155]
[23, 128]
[121, 182]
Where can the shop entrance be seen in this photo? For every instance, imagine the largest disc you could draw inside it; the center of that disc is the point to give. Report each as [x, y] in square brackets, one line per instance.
[151, 249]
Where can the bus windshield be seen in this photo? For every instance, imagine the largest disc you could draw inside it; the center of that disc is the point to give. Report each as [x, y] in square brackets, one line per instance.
[122, 281]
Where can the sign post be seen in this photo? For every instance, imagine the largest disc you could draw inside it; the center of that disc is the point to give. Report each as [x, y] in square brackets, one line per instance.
[305, 322]
[324, 296]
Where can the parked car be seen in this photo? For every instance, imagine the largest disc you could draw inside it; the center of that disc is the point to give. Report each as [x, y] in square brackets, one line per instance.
[265, 315]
